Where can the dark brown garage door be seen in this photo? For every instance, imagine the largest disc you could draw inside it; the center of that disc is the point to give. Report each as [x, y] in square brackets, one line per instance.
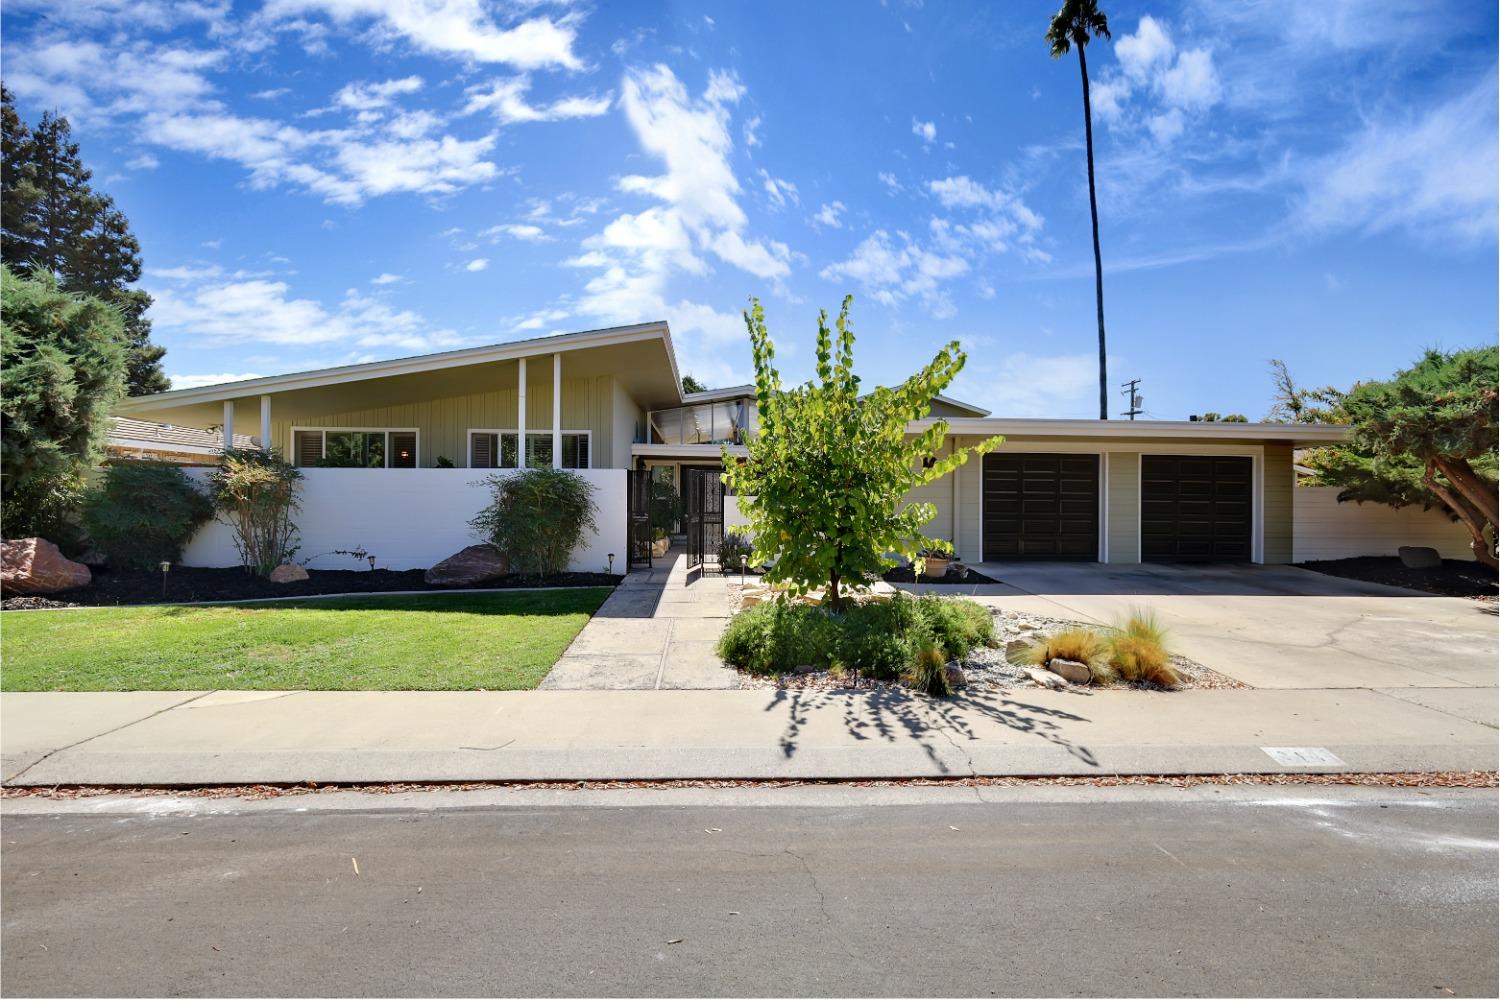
[1195, 508]
[1041, 507]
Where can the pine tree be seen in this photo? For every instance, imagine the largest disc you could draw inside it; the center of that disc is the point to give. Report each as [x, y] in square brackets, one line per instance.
[52, 220]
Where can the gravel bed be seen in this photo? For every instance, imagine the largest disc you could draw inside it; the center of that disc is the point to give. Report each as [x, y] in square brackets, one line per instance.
[986, 668]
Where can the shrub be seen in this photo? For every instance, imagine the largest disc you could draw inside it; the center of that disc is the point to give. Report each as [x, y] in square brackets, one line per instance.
[929, 674]
[881, 639]
[143, 513]
[778, 637]
[734, 553]
[1138, 651]
[255, 491]
[958, 624]
[537, 517]
[1081, 645]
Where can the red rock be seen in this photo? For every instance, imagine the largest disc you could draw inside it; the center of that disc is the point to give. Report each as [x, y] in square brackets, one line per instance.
[467, 567]
[36, 566]
[288, 573]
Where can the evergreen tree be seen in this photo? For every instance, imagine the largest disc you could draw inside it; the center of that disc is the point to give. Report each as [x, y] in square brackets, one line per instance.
[52, 220]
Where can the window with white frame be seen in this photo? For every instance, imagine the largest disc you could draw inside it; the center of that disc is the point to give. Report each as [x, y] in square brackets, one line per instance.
[497, 449]
[354, 448]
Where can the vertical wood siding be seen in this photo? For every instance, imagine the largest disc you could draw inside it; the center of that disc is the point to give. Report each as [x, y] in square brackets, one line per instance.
[1123, 490]
[1276, 505]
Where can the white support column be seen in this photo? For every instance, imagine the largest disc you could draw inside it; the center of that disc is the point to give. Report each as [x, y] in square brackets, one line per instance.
[521, 414]
[265, 423]
[557, 411]
[228, 424]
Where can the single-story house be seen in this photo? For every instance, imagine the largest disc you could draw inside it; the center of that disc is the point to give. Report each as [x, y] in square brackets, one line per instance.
[395, 452]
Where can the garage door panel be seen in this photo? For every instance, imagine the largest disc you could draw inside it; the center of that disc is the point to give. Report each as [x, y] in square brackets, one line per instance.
[1052, 511]
[1196, 508]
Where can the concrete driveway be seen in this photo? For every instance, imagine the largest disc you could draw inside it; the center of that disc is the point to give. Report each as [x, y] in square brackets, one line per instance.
[1282, 627]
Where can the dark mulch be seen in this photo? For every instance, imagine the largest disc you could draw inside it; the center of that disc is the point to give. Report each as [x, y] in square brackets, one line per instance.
[1455, 578]
[903, 574]
[184, 583]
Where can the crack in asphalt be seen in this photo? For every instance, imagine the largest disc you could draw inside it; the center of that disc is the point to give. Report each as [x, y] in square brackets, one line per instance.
[822, 900]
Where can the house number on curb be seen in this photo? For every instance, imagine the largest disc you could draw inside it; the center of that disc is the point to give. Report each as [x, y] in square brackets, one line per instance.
[1302, 756]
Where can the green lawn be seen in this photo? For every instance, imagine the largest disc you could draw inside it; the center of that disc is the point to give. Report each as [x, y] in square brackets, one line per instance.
[436, 642]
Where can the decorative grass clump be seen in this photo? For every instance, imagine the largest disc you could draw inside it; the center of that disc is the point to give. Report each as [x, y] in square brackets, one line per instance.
[881, 640]
[1138, 651]
[1081, 645]
[929, 674]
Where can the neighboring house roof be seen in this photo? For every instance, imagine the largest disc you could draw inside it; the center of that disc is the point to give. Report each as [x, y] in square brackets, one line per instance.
[1304, 434]
[127, 433]
[957, 406]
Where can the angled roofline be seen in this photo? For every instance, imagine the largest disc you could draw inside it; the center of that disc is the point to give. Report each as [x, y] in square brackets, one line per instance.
[715, 395]
[418, 363]
[959, 404]
[1049, 427]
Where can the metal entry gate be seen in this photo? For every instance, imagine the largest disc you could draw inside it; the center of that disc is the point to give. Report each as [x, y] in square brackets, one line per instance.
[704, 494]
[638, 486]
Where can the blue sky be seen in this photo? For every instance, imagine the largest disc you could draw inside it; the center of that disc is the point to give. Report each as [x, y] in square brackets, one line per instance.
[316, 182]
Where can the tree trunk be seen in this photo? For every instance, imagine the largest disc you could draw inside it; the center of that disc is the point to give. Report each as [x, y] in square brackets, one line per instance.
[1472, 518]
[1088, 139]
[835, 601]
[1475, 490]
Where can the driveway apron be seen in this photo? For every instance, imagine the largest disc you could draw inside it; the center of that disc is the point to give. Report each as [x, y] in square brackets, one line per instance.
[658, 630]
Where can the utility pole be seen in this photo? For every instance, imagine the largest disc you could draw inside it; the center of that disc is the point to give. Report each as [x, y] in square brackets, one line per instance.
[1132, 397]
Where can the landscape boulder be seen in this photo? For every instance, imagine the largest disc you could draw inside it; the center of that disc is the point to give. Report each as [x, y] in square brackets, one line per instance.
[1419, 557]
[36, 566]
[955, 675]
[468, 567]
[1046, 679]
[288, 573]
[1071, 671]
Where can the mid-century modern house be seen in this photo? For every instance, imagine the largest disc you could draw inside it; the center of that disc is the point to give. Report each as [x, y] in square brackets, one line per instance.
[395, 452]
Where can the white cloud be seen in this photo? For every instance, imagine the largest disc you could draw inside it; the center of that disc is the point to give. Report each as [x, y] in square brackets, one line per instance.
[195, 381]
[519, 231]
[370, 96]
[926, 131]
[779, 191]
[143, 162]
[206, 308]
[1192, 81]
[1158, 85]
[1146, 52]
[271, 94]
[1431, 174]
[477, 264]
[506, 100]
[386, 279]
[751, 132]
[889, 180]
[1028, 385]
[829, 215]
[538, 320]
[463, 29]
[893, 271]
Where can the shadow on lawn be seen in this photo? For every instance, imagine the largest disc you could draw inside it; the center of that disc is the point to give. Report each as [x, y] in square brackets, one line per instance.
[892, 715]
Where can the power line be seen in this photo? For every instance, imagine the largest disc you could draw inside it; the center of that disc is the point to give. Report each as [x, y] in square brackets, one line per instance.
[1133, 398]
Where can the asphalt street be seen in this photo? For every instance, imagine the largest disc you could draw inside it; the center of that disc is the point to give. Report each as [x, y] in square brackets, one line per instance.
[1007, 892]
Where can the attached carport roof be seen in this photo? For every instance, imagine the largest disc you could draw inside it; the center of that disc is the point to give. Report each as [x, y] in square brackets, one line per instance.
[1302, 435]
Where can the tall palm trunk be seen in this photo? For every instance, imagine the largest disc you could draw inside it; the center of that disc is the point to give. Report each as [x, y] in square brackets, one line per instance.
[1088, 138]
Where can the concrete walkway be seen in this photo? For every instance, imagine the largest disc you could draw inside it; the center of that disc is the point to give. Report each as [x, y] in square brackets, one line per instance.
[658, 630]
[228, 737]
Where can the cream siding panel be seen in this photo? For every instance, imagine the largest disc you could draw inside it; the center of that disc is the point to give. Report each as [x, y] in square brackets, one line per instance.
[1276, 505]
[1123, 489]
[443, 424]
[626, 418]
[1323, 528]
[939, 493]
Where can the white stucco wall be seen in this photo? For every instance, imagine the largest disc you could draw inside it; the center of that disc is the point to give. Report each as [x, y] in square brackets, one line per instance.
[1323, 528]
[735, 518]
[408, 519]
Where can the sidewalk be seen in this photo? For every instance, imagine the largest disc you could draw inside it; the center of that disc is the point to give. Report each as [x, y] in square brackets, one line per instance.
[193, 738]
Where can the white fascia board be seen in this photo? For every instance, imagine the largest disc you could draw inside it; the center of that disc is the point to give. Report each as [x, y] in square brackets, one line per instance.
[703, 451]
[717, 395]
[1139, 429]
[407, 366]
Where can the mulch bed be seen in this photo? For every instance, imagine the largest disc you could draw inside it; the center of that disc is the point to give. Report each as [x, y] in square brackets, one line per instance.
[185, 583]
[1389, 779]
[903, 574]
[1455, 578]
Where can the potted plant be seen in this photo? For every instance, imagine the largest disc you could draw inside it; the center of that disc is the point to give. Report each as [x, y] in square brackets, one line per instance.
[660, 541]
[935, 562]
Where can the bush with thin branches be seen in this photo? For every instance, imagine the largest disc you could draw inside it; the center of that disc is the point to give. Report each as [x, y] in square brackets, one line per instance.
[255, 493]
[537, 517]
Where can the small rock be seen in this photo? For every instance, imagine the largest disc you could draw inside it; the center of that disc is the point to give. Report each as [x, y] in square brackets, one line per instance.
[1419, 557]
[751, 600]
[288, 573]
[1046, 679]
[36, 566]
[469, 566]
[955, 674]
[1071, 670]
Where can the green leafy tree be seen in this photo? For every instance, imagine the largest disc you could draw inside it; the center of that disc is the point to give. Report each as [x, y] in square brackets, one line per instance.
[690, 384]
[1074, 25]
[255, 493]
[62, 365]
[1214, 417]
[1427, 435]
[53, 221]
[830, 471]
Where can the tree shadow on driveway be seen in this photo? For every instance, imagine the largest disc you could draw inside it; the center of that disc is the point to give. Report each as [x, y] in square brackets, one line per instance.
[892, 716]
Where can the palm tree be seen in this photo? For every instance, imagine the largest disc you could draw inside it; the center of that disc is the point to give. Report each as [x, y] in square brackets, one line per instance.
[1072, 26]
